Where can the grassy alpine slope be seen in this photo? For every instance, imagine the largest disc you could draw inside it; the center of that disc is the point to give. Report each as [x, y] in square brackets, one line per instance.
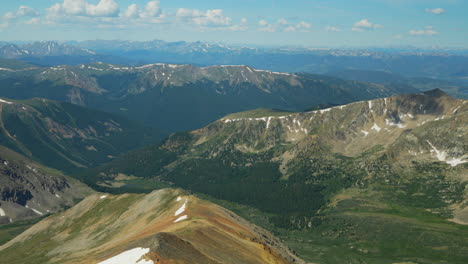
[381, 181]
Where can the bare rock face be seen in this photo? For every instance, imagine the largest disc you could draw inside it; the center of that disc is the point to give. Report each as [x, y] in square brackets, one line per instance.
[29, 190]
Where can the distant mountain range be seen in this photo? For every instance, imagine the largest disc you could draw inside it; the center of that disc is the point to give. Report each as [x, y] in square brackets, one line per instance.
[411, 62]
[434, 63]
[42, 49]
[454, 87]
[48, 53]
[366, 177]
[180, 97]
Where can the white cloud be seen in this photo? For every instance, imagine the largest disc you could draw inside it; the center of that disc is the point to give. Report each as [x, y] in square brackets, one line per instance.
[152, 9]
[283, 25]
[105, 8]
[332, 29]
[427, 31]
[242, 26]
[364, 25]
[33, 21]
[263, 22]
[132, 11]
[265, 26]
[212, 17]
[282, 21]
[435, 11]
[26, 11]
[303, 26]
[22, 12]
[268, 28]
[9, 16]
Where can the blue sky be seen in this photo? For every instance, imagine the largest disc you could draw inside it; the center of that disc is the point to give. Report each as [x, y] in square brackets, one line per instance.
[315, 23]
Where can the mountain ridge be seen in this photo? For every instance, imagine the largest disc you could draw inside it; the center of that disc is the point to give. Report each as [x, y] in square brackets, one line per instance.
[179, 89]
[159, 223]
[314, 176]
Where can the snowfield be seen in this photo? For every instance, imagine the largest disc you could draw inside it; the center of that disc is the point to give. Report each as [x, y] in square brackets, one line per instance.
[131, 256]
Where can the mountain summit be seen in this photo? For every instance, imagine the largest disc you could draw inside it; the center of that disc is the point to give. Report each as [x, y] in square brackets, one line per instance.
[165, 226]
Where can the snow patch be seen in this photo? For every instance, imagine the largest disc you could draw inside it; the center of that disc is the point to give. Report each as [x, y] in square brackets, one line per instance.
[442, 156]
[457, 161]
[181, 209]
[179, 198]
[132, 256]
[6, 102]
[180, 218]
[268, 122]
[376, 127]
[2, 213]
[58, 196]
[36, 211]
[365, 133]
[390, 123]
[103, 197]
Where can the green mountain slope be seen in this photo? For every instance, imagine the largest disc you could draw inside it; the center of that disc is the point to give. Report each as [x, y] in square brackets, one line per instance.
[66, 136]
[181, 97]
[374, 181]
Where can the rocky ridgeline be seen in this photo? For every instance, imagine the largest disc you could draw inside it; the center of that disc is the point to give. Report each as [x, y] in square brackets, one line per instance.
[378, 121]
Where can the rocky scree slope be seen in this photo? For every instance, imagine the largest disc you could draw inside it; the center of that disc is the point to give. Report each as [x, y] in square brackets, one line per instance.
[30, 190]
[165, 226]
